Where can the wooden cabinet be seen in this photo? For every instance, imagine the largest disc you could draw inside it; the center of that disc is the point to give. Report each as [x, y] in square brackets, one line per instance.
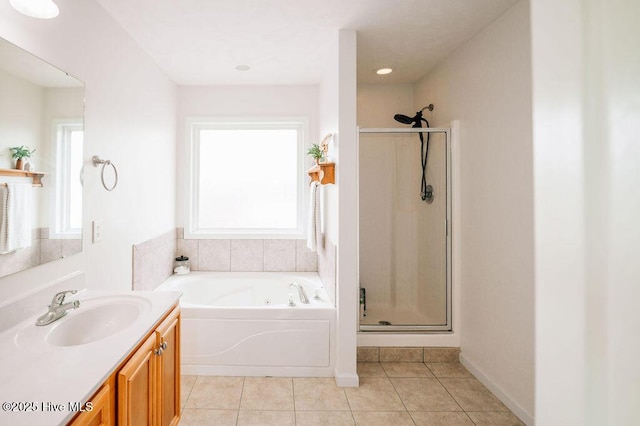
[101, 408]
[137, 386]
[149, 383]
[145, 388]
[168, 370]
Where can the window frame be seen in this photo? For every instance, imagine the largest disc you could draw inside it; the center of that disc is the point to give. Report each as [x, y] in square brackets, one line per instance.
[60, 194]
[193, 126]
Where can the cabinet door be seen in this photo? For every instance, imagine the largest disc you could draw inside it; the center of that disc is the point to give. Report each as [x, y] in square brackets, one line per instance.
[100, 415]
[168, 389]
[136, 387]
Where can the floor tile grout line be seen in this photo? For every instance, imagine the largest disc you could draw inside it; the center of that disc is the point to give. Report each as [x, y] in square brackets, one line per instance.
[455, 400]
[349, 403]
[186, 400]
[295, 410]
[240, 401]
[401, 400]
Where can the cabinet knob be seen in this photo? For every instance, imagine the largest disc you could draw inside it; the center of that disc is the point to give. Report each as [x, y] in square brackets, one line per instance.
[163, 346]
[158, 351]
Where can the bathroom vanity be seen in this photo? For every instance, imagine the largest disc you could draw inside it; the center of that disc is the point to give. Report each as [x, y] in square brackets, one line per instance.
[144, 389]
[113, 360]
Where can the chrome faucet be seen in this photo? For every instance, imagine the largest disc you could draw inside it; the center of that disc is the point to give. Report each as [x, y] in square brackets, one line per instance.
[57, 308]
[303, 294]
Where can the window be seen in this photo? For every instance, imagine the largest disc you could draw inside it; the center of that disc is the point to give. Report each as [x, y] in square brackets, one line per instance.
[246, 178]
[67, 193]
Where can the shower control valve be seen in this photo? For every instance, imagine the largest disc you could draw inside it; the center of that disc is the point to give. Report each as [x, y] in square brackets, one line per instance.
[291, 302]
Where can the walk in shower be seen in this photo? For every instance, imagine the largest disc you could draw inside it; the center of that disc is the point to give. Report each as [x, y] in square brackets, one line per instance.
[405, 228]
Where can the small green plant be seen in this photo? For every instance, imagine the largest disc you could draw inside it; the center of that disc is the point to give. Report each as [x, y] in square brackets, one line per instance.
[315, 151]
[20, 152]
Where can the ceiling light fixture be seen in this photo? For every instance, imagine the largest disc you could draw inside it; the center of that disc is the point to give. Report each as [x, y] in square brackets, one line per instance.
[384, 71]
[243, 67]
[41, 9]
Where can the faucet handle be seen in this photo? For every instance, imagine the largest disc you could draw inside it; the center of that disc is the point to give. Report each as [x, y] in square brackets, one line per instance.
[58, 299]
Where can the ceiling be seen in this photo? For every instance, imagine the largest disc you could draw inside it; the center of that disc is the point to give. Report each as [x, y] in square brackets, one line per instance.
[23, 65]
[200, 42]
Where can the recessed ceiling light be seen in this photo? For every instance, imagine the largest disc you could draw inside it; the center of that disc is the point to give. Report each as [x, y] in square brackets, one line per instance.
[42, 9]
[383, 71]
[243, 67]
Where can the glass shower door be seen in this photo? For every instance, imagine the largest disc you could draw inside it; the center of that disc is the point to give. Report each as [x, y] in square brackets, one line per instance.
[404, 241]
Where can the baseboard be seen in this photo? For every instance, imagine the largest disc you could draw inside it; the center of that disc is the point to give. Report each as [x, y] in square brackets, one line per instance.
[522, 414]
[254, 371]
[347, 380]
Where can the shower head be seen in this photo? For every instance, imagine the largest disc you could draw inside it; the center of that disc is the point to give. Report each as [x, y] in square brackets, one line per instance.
[404, 119]
[417, 119]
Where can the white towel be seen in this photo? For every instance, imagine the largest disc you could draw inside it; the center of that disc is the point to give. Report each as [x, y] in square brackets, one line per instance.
[314, 228]
[15, 220]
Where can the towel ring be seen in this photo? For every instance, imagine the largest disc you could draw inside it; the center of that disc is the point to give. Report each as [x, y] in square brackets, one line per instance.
[97, 160]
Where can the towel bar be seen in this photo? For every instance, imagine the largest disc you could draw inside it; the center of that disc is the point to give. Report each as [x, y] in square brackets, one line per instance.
[97, 160]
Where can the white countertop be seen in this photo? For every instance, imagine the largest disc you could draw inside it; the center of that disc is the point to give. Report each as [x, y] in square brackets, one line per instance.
[38, 376]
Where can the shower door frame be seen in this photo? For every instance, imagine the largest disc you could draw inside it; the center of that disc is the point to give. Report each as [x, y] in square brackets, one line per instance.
[441, 328]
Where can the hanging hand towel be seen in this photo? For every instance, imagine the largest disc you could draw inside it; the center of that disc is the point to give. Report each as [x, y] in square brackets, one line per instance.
[314, 236]
[15, 220]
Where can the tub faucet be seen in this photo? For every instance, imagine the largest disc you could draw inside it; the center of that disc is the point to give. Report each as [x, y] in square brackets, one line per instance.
[303, 295]
[57, 308]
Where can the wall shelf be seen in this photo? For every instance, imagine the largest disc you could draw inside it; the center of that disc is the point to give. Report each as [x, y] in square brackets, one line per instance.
[324, 173]
[36, 176]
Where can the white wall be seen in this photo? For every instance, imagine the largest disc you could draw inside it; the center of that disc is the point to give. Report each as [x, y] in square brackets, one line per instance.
[378, 103]
[486, 85]
[328, 123]
[586, 114]
[129, 118]
[338, 116]
[21, 109]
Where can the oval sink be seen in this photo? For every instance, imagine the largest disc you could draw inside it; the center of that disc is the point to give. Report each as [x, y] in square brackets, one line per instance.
[97, 321]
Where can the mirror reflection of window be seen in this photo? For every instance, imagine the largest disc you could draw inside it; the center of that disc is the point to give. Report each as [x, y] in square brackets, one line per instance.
[69, 134]
[42, 108]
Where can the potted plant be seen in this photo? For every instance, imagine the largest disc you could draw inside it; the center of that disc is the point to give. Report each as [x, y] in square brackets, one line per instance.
[316, 152]
[19, 153]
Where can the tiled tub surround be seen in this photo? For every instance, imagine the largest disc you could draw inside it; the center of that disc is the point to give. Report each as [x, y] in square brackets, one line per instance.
[43, 249]
[153, 261]
[390, 393]
[239, 255]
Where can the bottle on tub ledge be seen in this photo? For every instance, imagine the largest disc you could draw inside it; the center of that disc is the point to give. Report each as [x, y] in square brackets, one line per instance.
[181, 266]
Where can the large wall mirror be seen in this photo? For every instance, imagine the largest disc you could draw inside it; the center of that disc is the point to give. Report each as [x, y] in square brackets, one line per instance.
[42, 117]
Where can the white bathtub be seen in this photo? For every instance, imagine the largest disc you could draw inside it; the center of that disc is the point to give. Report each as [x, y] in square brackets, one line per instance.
[240, 324]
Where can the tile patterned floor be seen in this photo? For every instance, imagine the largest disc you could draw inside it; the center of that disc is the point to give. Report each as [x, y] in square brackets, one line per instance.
[390, 393]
